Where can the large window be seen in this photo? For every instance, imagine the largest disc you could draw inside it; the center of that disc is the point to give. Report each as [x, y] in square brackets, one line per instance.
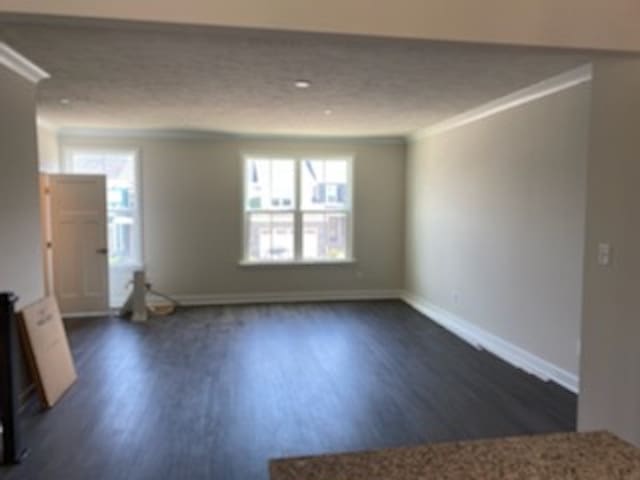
[297, 210]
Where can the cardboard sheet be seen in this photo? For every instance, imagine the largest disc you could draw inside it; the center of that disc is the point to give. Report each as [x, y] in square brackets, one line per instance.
[48, 349]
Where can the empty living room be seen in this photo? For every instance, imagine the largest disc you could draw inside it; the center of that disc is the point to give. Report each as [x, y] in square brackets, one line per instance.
[279, 240]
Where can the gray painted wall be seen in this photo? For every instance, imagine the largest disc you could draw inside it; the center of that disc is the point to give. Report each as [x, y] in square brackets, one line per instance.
[495, 223]
[610, 396]
[21, 269]
[21, 261]
[570, 23]
[193, 223]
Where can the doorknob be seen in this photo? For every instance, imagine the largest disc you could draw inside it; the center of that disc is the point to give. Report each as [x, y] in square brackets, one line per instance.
[102, 251]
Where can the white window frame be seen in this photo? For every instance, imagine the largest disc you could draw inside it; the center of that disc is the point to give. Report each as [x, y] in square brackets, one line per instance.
[66, 167]
[267, 211]
[297, 212]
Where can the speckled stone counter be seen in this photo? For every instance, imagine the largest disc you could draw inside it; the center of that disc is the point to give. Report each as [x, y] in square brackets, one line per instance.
[566, 456]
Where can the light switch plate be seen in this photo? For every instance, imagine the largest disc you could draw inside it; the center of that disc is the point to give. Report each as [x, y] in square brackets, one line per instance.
[604, 254]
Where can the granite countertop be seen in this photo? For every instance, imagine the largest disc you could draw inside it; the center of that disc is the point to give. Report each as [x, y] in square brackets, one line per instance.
[563, 456]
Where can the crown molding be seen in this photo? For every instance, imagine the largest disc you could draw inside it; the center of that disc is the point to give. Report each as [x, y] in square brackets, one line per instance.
[186, 134]
[546, 87]
[20, 64]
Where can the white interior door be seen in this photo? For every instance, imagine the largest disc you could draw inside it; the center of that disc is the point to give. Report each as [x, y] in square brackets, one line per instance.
[79, 242]
[124, 213]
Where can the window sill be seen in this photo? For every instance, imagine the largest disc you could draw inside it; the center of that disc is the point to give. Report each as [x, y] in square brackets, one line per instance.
[297, 263]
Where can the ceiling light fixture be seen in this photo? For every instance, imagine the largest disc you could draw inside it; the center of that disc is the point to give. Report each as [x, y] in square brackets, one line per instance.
[65, 101]
[328, 111]
[302, 83]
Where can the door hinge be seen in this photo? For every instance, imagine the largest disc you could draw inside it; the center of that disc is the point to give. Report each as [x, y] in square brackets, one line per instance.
[47, 191]
[49, 245]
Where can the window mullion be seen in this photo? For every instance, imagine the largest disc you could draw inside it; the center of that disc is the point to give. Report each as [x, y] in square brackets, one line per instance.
[271, 223]
[245, 235]
[297, 215]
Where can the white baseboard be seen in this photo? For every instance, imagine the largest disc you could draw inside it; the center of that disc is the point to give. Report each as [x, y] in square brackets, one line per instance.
[106, 313]
[261, 297]
[500, 347]
[284, 297]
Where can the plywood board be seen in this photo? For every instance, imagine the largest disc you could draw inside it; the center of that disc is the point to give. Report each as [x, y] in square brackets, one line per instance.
[48, 349]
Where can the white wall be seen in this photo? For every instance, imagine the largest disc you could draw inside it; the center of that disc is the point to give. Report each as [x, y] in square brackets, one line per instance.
[495, 224]
[48, 149]
[192, 209]
[610, 395]
[21, 268]
[609, 25]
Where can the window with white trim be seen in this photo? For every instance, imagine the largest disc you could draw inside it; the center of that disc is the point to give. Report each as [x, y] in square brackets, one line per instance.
[297, 210]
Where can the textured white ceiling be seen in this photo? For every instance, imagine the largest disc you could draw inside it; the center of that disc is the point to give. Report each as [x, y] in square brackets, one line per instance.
[126, 75]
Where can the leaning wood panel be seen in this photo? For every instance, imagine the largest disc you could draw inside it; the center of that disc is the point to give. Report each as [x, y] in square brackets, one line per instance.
[48, 349]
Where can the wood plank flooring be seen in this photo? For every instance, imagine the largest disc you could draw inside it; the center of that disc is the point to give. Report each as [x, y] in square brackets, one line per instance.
[213, 393]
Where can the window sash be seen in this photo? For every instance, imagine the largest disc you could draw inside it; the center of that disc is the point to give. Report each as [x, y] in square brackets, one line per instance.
[326, 228]
[349, 182]
[269, 207]
[248, 237]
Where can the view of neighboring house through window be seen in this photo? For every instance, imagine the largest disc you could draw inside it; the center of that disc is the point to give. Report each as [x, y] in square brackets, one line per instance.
[270, 209]
[325, 209]
[297, 210]
[120, 168]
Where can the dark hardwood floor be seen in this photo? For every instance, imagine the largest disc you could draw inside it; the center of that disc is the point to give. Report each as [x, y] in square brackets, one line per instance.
[213, 393]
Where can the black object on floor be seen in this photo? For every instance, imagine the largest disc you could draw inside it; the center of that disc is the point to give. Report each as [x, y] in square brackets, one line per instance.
[215, 392]
[12, 449]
